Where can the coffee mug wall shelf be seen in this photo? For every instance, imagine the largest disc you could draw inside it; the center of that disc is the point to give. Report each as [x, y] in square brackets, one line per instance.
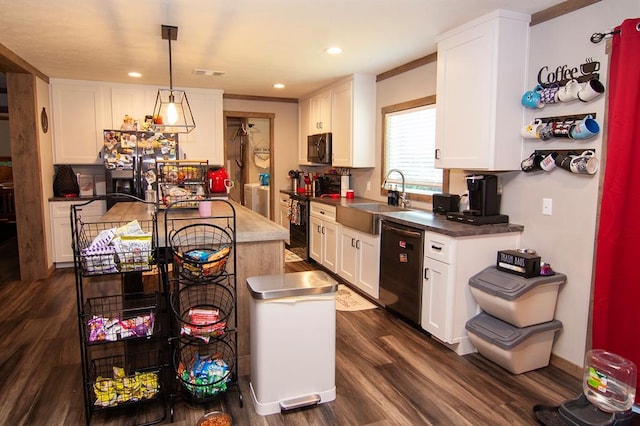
[575, 127]
[576, 161]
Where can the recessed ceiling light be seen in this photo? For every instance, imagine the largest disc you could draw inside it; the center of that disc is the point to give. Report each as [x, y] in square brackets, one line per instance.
[335, 50]
[279, 86]
[135, 74]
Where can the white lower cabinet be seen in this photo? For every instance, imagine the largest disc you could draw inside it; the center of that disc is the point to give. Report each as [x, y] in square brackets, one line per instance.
[447, 303]
[60, 213]
[283, 214]
[360, 260]
[323, 236]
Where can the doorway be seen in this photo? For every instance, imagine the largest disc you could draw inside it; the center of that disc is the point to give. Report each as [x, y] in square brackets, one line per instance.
[248, 153]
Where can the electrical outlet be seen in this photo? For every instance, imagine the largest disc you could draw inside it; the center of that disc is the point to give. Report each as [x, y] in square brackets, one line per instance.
[368, 185]
[547, 206]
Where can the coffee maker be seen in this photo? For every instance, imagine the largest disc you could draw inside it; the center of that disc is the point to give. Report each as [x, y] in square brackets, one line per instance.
[484, 202]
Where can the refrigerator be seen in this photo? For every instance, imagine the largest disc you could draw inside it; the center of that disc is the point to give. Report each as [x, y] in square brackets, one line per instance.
[130, 161]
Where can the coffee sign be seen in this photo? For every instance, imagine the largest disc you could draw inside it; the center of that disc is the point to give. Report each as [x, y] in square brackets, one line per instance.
[563, 74]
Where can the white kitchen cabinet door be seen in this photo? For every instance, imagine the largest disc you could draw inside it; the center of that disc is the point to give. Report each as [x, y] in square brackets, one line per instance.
[78, 121]
[481, 74]
[330, 246]
[323, 235]
[353, 122]
[348, 254]
[360, 260]
[436, 298]
[315, 239]
[128, 100]
[205, 142]
[320, 113]
[60, 213]
[304, 124]
[368, 272]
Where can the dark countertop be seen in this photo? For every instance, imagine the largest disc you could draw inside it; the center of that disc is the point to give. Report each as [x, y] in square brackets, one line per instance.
[425, 220]
[83, 198]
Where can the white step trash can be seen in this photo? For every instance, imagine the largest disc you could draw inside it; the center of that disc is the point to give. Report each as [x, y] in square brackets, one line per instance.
[293, 340]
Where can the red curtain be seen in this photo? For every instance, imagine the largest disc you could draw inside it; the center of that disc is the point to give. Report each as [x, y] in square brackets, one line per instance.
[616, 306]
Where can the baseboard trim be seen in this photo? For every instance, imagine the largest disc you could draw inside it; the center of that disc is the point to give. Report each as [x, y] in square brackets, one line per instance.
[566, 366]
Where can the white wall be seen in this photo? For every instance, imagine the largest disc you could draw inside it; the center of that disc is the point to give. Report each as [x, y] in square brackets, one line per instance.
[285, 124]
[566, 238]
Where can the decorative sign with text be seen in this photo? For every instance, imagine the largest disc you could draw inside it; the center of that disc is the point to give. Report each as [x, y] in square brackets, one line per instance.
[562, 74]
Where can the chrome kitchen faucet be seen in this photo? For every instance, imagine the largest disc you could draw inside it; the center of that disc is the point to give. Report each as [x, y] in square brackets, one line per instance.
[404, 201]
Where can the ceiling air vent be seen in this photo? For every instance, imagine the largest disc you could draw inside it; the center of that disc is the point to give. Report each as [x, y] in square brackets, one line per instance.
[198, 71]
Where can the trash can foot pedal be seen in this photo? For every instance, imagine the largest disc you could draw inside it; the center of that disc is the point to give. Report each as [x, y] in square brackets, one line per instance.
[300, 402]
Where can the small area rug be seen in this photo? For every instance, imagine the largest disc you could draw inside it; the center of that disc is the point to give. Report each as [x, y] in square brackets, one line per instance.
[290, 256]
[348, 300]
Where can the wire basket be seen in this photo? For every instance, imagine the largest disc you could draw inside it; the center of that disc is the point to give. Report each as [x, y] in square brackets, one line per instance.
[120, 380]
[200, 251]
[204, 370]
[112, 318]
[106, 247]
[202, 310]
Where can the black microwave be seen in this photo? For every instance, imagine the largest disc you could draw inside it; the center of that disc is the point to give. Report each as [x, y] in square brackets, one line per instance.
[319, 148]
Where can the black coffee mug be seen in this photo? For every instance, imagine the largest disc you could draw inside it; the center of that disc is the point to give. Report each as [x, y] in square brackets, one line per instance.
[563, 160]
[532, 163]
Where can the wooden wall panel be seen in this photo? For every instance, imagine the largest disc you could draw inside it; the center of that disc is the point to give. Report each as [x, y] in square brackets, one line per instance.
[25, 153]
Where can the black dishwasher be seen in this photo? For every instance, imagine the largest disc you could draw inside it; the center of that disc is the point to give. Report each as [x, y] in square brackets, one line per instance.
[401, 256]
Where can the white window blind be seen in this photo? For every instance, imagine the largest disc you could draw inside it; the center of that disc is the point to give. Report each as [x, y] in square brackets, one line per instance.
[410, 146]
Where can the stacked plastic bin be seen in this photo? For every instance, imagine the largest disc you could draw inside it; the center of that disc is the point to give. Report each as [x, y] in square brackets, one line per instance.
[517, 328]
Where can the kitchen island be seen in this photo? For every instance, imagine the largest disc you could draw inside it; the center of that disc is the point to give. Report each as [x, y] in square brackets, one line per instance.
[259, 251]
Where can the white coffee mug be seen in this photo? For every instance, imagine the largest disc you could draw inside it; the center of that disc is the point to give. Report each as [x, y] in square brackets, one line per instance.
[569, 92]
[585, 163]
[548, 163]
[591, 90]
[532, 130]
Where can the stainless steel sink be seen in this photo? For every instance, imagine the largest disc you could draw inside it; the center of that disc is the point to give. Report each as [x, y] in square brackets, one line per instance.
[364, 217]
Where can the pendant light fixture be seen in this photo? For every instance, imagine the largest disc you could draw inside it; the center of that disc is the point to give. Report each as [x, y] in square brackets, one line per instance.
[172, 113]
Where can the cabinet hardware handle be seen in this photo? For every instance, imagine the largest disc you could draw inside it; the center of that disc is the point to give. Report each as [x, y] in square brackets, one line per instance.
[353, 242]
[321, 212]
[318, 228]
[437, 154]
[436, 248]
[358, 244]
[323, 230]
[426, 275]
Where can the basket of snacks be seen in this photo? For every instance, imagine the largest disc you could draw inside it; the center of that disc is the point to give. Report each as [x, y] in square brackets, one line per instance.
[200, 251]
[204, 370]
[202, 310]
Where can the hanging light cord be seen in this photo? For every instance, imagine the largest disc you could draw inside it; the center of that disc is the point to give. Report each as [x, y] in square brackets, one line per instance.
[170, 69]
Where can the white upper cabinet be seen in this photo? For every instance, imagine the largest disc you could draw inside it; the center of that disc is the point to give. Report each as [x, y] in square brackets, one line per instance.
[480, 79]
[78, 120]
[83, 109]
[134, 101]
[205, 142]
[347, 109]
[320, 113]
[353, 122]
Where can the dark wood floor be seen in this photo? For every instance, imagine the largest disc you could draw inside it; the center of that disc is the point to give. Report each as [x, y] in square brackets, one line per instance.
[387, 373]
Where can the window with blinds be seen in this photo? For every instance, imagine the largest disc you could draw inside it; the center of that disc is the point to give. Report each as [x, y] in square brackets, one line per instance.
[409, 146]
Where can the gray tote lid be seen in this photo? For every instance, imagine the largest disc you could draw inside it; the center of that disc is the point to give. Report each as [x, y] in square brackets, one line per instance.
[295, 284]
[510, 286]
[505, 335]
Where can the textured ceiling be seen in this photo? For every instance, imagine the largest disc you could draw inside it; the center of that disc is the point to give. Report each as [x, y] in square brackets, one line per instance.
[255, 42]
